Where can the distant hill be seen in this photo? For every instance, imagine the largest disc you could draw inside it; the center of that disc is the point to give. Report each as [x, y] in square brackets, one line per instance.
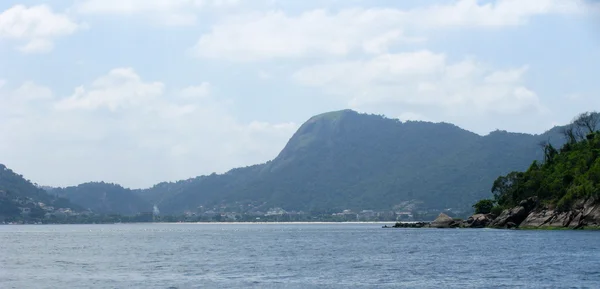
[17, 194]
[343, 160]
[104, 198]
[347, 160]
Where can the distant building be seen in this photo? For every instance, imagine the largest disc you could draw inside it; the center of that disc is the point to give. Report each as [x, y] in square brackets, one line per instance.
[209, 213]
[275, 212]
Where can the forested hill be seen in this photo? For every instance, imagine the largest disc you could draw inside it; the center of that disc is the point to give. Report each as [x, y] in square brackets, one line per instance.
[566, 174]
[346, 160]
[343, 160]
[104, 198]
[18, 194]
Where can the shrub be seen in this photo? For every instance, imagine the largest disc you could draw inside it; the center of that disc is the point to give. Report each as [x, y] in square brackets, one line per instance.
[483, 206]
[497, 210]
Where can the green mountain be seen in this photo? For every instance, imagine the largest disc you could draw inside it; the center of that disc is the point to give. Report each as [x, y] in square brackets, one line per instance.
[18, 195]
[104, 198]
[346, 160]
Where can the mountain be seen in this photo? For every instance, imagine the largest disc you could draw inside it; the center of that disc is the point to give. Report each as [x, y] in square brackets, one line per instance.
[18, 195]
[343, 160]
[104, 198]
[347, 160]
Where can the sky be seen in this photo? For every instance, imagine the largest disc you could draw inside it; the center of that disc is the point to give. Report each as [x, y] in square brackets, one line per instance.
[137, 92]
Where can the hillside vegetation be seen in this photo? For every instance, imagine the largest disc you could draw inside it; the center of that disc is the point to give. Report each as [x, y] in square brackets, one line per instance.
[18, 194]
[346, 160]
[104, 198]
[564, 175]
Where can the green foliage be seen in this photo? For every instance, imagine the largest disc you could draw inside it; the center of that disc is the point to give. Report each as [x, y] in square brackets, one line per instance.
[497, 210]
[104, 198]
[16, 193]
[483, 206]
[566, 176]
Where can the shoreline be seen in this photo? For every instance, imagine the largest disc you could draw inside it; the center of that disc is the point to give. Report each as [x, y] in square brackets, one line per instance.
[219, 223]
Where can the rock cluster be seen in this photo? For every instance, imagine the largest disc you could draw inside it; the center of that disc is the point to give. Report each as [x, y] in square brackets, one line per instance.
[584, 213]
[513, 217]
[445, 221]
[478, 221]
[528, 214]
[410, 225]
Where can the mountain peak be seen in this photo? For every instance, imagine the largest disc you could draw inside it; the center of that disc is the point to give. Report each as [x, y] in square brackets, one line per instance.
[320, 130]
[332, 115]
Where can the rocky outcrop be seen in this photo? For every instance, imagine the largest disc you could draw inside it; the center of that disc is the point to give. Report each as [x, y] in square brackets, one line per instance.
[513, 217]
[409, 225]
[478, 221]
[584, 213]
[445, 221]
[529, 214]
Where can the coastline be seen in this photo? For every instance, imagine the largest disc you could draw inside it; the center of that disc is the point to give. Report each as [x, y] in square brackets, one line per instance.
[220, 223]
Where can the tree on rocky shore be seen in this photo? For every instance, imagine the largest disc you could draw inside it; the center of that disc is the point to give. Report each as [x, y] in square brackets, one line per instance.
[484, 206]
[566, 175]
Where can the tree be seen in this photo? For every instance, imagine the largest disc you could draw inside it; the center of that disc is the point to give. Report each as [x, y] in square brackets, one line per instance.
[571, 133]
[549, 153]
[483, 206]
[37, 213]
[504, 187]
[588, 121]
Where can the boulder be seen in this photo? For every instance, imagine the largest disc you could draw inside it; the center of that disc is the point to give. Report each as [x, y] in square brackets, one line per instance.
[478, 221]
[444, 221]
[538, 219]
[585, 212]
[590, 213]
[529, 204]
[515, 215]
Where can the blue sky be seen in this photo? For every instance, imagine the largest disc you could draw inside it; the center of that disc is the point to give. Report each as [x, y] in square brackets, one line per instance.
[142, 91]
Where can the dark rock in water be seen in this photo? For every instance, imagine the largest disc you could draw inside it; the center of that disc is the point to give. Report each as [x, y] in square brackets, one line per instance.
[515, 215]
[478, 221]
[445, 221]
[410, 225]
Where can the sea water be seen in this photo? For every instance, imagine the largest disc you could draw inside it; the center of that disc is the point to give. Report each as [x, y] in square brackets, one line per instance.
[293, 256]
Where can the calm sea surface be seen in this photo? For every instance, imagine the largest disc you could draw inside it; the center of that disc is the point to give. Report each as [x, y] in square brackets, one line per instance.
[293, 256]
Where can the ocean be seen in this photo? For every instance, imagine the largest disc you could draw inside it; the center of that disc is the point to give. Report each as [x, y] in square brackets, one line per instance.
[293, 256]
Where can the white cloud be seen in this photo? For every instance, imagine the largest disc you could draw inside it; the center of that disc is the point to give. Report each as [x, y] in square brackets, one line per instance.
[122, 87]
[473, 13]
[459, 90]
[169, 12]
[506, 76]
[122, 128]
[36, 26]
[277, 34]
[197, 91]
[30, 91]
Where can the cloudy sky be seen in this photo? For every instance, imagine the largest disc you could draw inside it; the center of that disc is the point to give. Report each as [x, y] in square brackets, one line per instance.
[142, 91]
